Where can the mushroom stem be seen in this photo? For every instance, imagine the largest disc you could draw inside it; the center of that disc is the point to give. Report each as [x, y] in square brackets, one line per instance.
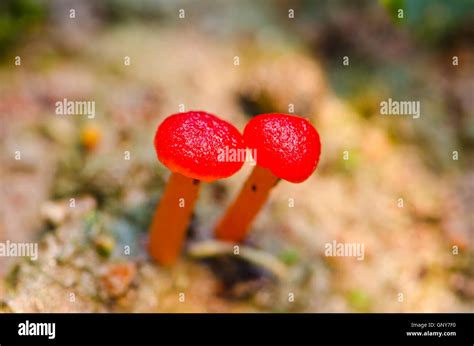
[171, 219]
[235, 223]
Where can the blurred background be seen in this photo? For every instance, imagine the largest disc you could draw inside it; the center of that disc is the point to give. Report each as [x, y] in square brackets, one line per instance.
[405, 189]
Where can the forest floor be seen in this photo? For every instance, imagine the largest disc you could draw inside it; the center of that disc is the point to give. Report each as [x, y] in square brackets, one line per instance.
[84, 264]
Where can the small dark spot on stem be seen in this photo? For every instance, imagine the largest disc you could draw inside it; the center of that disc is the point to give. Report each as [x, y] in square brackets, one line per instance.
[196, 182]
[254, 188]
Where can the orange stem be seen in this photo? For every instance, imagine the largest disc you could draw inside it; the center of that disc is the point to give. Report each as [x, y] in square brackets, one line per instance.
[171, 219]
[239, 216]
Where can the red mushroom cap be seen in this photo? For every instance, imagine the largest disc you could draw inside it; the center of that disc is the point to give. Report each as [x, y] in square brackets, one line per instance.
[192, 144]
[287, 145]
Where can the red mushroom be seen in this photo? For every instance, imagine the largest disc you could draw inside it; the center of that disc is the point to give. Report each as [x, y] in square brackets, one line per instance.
[190, 145]
[286, 147]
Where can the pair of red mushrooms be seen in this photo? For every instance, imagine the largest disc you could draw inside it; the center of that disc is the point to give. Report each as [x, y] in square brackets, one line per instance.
[191, 146]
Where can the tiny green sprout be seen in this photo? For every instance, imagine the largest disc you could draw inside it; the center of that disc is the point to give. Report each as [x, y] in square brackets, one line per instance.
[104, 245]
[289, 256]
